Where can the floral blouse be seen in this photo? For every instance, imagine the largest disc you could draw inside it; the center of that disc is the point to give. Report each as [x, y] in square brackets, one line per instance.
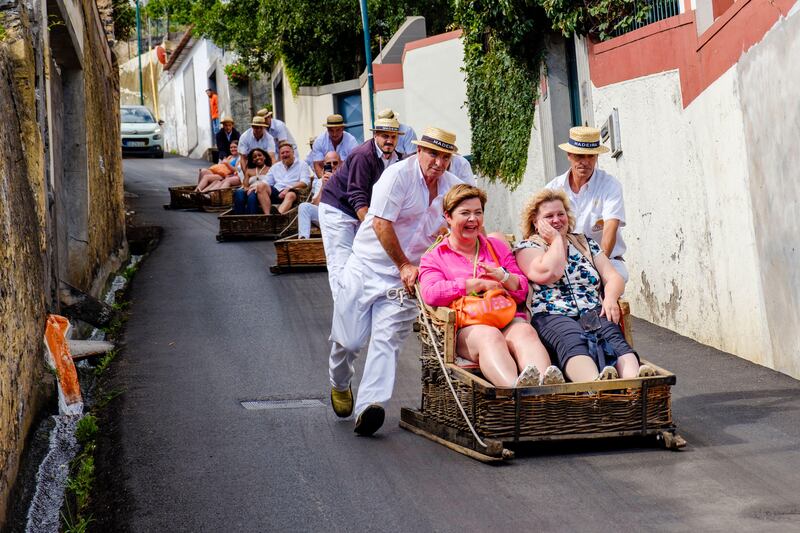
[576, 292]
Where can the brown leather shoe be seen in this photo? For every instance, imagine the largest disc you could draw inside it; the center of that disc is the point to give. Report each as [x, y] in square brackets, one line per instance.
[370, 420]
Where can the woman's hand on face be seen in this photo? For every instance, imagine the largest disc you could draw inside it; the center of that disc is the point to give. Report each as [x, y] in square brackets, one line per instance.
[547, 232]
[611, 310]
[478, 285]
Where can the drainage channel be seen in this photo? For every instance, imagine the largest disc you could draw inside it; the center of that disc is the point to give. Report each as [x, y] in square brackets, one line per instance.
[266, 405]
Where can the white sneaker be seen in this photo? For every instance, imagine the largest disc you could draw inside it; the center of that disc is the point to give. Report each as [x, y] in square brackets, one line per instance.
[647, 371]
[552, 376]
[608, 372]
[528, 377]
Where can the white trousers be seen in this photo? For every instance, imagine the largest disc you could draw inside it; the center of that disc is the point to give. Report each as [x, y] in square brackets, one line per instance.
[338, 232]
[362, 310]
[307, 214]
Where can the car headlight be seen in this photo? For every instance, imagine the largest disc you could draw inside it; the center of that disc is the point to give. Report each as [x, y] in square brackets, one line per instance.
[157, 137]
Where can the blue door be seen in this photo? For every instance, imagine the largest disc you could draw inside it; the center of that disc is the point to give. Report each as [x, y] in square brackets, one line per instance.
[349, 106]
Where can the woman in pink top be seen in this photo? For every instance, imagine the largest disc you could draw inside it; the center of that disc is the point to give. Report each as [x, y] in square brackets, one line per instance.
[463, 264]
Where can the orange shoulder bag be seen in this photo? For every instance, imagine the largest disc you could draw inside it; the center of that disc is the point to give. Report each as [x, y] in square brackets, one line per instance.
[493, 308]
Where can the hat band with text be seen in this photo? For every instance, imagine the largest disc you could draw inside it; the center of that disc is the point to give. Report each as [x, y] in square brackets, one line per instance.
[385, 128]
[580, 144]
[437, 142]
[335, 123]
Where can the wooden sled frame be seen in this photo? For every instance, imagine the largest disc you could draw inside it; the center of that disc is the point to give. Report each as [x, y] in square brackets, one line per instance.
[299, 255]
[185, 197]
[503, 417]
[234, 227]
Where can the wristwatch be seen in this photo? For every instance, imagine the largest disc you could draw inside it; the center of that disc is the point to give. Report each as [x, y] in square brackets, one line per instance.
[506, 275]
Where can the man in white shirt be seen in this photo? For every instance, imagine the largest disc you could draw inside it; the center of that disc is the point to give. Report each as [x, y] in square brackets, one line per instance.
[596, 195]
[407, 135]
[278, 186]
[333, 139]
[256, 137]
[461, 168]
[278, 129]
[308, 212]
[404, 216]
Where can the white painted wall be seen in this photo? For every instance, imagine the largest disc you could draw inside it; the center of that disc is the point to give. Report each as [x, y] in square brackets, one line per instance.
[304, 114]
[434, 90]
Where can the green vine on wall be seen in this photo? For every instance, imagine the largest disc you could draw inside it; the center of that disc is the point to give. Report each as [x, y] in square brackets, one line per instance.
[504, 52]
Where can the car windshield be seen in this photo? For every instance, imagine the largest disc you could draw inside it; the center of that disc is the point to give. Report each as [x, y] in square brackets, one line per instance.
[137, 115]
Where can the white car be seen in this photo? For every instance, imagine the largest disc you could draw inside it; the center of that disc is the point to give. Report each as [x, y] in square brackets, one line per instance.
[141, 133]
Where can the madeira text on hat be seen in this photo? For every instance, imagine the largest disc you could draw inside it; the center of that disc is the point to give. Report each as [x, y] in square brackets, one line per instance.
[584, 140]
[388, 124]
[334, 121]
[438, 139]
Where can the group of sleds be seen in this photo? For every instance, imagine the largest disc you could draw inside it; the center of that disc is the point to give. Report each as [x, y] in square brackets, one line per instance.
[459, 408]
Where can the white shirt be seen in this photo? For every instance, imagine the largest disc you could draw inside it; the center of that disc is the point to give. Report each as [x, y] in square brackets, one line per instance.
[248, 141]
[598, 200]
[281, 177]
[386, 162]
[323, 145]
[280, 132]
[404, 145]
[462, 169]
[401, 196]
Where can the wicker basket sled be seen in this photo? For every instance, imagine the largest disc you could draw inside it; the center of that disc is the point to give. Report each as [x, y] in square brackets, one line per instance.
[186, 197]
[502, 417]
[233, 227]
[299, 255]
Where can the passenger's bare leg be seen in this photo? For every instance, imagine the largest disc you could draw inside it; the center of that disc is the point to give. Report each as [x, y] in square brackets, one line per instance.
[628, 366]
[581, 368]
[263, 190]
[525, 346]
[288, 202]
[495, 360]
[205, 179]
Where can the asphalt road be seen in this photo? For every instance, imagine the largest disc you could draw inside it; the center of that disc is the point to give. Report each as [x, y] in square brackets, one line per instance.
[211, 327]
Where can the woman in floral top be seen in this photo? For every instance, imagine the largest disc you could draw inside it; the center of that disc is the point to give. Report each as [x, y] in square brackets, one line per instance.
[569, 274]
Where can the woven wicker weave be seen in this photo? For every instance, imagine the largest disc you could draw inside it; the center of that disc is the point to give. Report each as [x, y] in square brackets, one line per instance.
[298, 254]
[572, 410]
[243, 227]
[186, 197]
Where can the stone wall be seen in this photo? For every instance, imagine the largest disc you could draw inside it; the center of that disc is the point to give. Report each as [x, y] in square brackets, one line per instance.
[61, 198]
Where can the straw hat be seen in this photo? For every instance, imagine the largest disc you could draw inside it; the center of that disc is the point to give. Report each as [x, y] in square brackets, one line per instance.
[584, 140]
[227, 120]
[334, 121]
[388, 113]
[262, 112]
[439, 140]
[388, 124]
[259, 121]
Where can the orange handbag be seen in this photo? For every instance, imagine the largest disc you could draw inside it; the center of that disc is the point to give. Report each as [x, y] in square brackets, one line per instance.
[492, 308]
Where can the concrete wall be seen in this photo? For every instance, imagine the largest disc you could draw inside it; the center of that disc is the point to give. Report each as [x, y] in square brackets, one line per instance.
[61, 197]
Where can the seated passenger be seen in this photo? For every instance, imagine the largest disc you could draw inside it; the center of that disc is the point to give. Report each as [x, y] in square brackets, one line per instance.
[308, 212]
[281, 182]
[223, 174]
[575, 292]
[466, 262]
[245, 199]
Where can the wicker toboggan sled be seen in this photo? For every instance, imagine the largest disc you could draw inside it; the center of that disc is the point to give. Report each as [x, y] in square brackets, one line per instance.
[501, 417]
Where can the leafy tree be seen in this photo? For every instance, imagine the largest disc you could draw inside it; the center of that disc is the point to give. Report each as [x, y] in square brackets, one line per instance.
[319, 43]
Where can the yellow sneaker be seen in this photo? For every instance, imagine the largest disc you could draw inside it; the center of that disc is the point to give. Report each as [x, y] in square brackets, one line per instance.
[342, 402]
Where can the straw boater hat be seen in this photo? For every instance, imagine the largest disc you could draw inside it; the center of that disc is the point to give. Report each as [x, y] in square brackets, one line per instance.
[262, 112]
[259, 121]
[226, 120]
[584, 140]
[387, 124]
[334, 121]
[388, 113]
[439, 140]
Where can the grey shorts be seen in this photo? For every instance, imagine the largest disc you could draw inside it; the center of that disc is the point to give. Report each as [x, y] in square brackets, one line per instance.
[563, 337]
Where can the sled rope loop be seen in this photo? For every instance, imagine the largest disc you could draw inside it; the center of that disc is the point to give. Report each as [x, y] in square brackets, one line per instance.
[439, 356]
